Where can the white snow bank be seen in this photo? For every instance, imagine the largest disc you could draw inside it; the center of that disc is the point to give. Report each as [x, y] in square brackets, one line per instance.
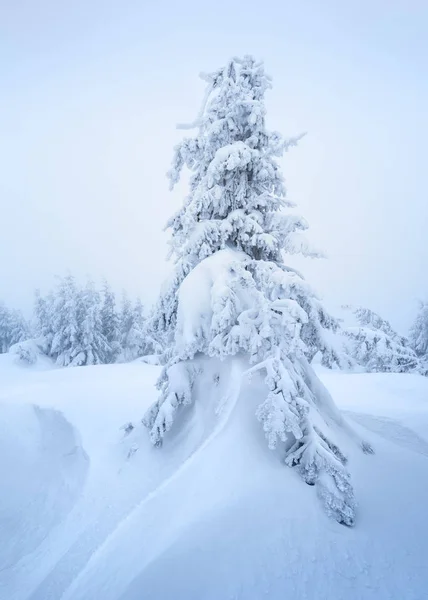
[150, 359]
[26, 353]
[22, 355]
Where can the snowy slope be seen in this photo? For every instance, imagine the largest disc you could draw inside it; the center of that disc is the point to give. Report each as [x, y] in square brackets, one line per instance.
[88, 514]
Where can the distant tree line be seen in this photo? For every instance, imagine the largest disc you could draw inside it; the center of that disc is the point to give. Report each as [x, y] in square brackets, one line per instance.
[79, 325]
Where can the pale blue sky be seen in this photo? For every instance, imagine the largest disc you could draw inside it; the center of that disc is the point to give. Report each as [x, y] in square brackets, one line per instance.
[90, 93]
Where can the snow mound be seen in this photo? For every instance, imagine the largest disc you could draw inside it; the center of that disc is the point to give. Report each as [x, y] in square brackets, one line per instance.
[150, 359]
[23, 356]
[28, 352]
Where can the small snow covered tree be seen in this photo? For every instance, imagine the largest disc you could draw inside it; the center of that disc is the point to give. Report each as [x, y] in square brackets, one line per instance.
[4, 329]
[13, 328]
[125, 320]
[133, 330]
[231, 294]
[375, 345]
[43, 321]
[92, 347]
[65, 344]
[419, 332]
[19, 328]
[110, 323]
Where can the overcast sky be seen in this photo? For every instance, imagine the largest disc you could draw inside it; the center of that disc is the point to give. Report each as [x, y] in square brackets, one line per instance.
[91, 90]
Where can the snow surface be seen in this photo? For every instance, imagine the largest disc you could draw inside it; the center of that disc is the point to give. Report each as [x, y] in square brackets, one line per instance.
[87, 513]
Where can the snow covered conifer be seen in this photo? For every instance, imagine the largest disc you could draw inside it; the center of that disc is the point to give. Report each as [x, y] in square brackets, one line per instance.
[13, 328]
[77, 337]
[93, 348]
[419, 332]
[69, 324]
[376, 346]
[231, 296]
[110, 322]
[133, 333]
[43, 319]
[18, 327]
[4, 329]
[125, 319]
[65, 344]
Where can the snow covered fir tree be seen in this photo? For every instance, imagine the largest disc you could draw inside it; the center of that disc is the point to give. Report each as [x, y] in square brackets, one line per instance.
[13, 328]
[419, 331]
[133, 330]
[419, 336]
[232, 306]
[110, 323]
[373, 344]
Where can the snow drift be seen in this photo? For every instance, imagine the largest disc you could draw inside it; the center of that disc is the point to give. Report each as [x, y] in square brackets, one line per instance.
[42, 470]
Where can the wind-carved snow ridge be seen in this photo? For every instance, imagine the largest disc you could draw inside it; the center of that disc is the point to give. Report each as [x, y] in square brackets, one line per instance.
[43, 468]
[231, 295]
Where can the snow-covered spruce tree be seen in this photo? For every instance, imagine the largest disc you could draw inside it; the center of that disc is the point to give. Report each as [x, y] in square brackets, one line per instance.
[419, 332]
[65, 344]
[13, 328]
[92, 347]
[4, 328]
[19, 328]
[110, 323]
[43, 321]
[134, 342]
[376, 346]
[229, 241]
[125, 321]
